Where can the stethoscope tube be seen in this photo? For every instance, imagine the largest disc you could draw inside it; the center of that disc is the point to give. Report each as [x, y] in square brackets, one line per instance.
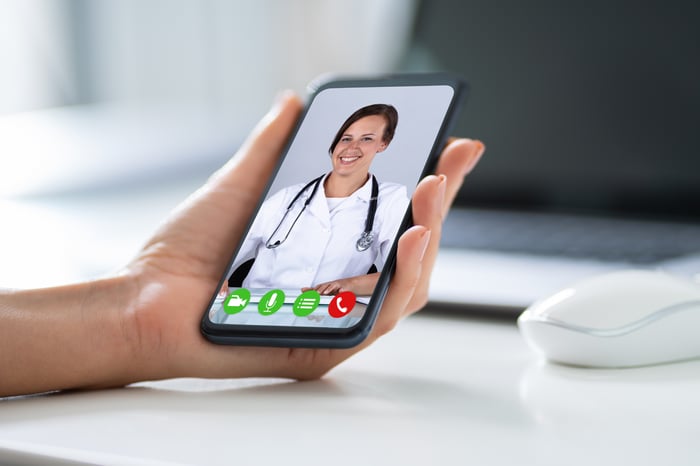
[366, 238]
[277, 243]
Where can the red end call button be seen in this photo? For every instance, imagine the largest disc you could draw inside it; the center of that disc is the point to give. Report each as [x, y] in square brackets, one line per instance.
[341, 304]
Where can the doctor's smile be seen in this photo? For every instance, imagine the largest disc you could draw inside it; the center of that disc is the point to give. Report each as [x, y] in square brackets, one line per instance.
[358, 145]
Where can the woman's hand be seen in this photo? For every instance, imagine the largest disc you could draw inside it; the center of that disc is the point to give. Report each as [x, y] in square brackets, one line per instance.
[180, 267]
[144, 323]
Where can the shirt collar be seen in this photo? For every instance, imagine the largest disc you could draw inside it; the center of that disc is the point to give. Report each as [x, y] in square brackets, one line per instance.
[364, 193]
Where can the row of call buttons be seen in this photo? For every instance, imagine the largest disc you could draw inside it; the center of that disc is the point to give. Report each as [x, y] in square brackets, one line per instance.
[304, 304]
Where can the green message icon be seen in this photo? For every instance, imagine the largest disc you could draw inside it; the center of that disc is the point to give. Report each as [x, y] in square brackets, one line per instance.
[236, 301]
[271, 302]
[306, 303]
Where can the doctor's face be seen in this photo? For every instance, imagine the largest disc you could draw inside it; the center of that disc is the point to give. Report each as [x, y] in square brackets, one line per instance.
[357, 147]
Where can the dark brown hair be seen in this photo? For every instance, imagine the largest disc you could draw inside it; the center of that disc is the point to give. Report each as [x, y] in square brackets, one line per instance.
[391, 117]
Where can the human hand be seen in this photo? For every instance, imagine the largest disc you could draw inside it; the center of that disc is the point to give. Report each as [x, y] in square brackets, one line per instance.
[178, 269]
[143, 324]
[361, 285]
[331, 288]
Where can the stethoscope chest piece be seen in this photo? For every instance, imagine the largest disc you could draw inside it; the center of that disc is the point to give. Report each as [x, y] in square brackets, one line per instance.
[365, 241]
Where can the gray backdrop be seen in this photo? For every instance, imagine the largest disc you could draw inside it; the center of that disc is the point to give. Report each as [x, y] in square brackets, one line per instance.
[421, 112]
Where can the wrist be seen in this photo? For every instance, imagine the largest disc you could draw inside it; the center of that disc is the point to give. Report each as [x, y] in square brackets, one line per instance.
[112, 302]
[107, 341]
[67, 337]
[140, 327]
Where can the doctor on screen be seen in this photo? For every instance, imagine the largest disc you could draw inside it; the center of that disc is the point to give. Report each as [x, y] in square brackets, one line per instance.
[332, 233]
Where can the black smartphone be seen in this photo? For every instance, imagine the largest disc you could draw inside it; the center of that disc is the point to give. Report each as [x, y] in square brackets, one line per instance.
[318, 255]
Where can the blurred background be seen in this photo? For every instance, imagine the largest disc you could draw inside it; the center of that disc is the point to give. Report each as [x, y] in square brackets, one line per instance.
[111, 112]
[104, 90]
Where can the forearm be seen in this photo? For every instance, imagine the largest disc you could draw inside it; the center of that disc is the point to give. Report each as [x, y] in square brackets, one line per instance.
[75, 336]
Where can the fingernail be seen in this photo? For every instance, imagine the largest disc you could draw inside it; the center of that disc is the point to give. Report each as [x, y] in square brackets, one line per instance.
[281, 97]
[426, 240]
[480, 149]
[440, 198]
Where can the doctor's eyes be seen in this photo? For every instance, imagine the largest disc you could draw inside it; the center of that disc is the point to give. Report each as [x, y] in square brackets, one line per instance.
[348, 139]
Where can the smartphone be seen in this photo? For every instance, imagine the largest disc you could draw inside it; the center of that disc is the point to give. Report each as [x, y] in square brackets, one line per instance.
[318, 254]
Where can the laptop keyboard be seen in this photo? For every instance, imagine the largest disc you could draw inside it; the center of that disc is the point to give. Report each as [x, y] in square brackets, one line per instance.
[631, 241]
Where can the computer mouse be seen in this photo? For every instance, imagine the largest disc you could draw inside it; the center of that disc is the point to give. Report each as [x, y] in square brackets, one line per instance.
[621, 319]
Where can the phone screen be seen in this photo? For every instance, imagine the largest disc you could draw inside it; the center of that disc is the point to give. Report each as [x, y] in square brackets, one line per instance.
[313, 254]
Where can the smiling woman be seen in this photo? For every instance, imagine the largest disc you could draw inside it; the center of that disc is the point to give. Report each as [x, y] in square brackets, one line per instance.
[348, 196]
[364, 134]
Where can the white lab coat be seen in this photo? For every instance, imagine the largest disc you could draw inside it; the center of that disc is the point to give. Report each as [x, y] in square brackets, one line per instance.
[321, 246]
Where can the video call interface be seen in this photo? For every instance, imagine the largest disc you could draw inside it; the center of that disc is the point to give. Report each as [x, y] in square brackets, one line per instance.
[318, 243]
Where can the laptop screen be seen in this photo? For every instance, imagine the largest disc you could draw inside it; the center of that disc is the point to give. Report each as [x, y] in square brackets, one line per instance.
[590, 107]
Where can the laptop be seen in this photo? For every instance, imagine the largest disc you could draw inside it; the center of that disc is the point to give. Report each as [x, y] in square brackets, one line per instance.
[590, 113]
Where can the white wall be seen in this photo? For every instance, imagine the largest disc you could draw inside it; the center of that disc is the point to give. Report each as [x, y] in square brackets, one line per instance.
[238, 54]
[35, 56]
[165, 83]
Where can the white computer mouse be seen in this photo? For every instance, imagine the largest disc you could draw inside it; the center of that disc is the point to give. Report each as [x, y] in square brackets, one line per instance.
[622, 319]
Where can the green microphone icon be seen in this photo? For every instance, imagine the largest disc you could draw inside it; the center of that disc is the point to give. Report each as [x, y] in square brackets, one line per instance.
[271, 302]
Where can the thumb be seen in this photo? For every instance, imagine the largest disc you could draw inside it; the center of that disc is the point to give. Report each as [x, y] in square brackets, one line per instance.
[251, 167]
[228, 198]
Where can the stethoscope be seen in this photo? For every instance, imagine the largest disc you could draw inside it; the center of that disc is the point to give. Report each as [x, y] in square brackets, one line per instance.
[366, 238]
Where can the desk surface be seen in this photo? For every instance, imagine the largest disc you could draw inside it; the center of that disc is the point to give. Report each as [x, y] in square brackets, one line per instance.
[437, 390]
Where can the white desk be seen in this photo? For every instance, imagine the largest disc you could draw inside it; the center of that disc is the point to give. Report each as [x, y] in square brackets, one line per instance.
[438, 390]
